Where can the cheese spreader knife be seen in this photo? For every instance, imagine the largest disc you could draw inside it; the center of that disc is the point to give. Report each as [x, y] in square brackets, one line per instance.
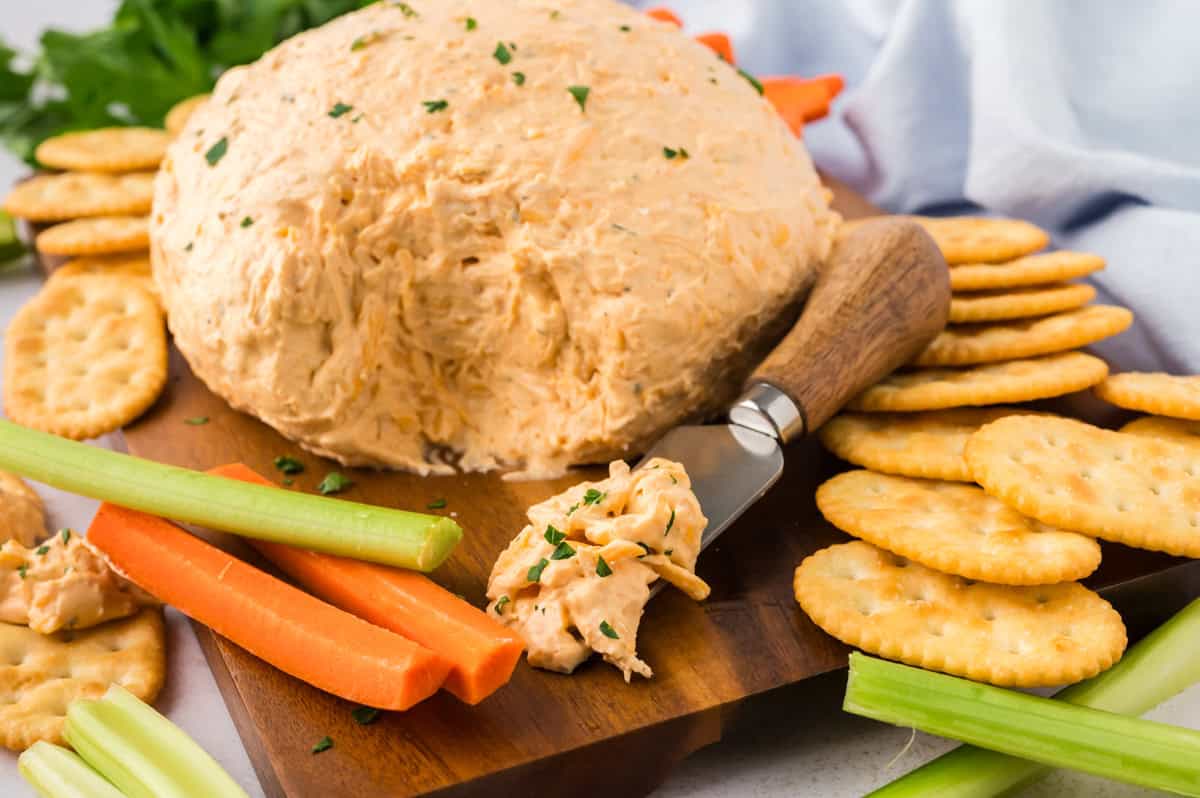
[881, 297]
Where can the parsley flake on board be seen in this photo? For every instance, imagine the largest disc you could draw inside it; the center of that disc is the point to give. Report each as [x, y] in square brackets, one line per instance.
[670, 523]
[500, 602]
[563, 552]
[196, 421]
[580, 93]
[433, 106]
[339, 109]
[324, 744]
[471, 24]
[553, 536]
[502, 54]
[247, 221]
[519, 78]
[758, 87]
[608, 631]
[436, 504]
[602, 568]
[288, 465]
[334, 483]
[217, 151]
[65, 534]
[364, 716]
[593, 496]
[535, 571]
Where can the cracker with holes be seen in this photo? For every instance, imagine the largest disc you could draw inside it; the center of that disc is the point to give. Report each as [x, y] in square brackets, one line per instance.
[954, 528]
[1130, 489]
[84, 357]
[134, 265]
[177, 118]
[1171, 429]
[110, 149]
[22, 516]
[1019, 303]
[928, 444]
[71, 195]
[987, 384]
[973, 239]
[1009, 340]
[1005, 635]
[1157, 393]
[41, 674]
[100, 235]
[1048, 267]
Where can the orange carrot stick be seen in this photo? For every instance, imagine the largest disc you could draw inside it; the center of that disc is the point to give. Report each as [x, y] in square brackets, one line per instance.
[719, 43]
[800, 100]
[481, 651]
[665, 15]
[297, 633]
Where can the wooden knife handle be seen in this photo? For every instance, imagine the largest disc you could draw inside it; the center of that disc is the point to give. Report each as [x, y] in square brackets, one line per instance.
[883, 295]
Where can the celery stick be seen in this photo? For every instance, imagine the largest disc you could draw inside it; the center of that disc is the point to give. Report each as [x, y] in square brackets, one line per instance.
[56, 772]
[1159, 666]
[1055, 733]
[10, 245]
[142, 752]
[361, 531]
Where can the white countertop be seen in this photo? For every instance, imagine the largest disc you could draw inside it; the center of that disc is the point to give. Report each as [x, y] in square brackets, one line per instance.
[791, 742]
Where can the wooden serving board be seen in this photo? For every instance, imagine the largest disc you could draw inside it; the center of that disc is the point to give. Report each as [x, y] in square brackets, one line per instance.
[544, 734]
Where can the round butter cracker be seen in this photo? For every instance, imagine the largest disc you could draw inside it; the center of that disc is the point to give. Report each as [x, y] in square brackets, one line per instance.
[110, 149]
[72, 195]
[1019, 303]
[1172, 429]
[101, 235]
[974, 239]
[1048, 267]
[1156, 393]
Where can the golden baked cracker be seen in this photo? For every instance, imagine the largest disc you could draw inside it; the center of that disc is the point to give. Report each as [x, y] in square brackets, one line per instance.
[1156, 393]
[1172, 429]
[991, 383]
[1131, 489]
[1019, 303]
[84, 356]
[1011, 636]
[110, 149]
[975, 239]
[100, 235]
[41, 674]
[133, 265]
[989, 343]
[927, 445]
[22, 516]
[72, 195]
[181, 112]
[1048, 267]
[954, 528]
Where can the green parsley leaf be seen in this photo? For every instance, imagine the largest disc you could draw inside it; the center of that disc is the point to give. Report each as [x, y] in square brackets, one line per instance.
[433, 106]
[340, 108]
[188, 246]
[602, 568]
[436, 504]
[217, 151]
[324, 744]
[625, 29]
[365, 716]
[502, 54]
[21, 569]
[500, 602]
[42, 550]
[670, 523]
[364, 40]
[288, 465]
[758, 87]
[669, 153]
[593, 496]
[196, 421]
[471, 24]
[357, 118]
[247, 221]
[535, 571]
[608, 631]
[673, 480]
[407, 10]
[646, 549]
[669, 552]
[65, 534]
[580, 93]
[553, 536]
[563, 552]
[519, 78]
[334, 483]
[573, 508]
[556, 14]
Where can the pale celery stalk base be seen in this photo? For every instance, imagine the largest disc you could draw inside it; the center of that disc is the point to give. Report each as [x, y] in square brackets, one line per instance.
[56, 772]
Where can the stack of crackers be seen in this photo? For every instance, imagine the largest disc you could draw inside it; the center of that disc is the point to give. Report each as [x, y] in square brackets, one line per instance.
[975, 521]
[88, 354]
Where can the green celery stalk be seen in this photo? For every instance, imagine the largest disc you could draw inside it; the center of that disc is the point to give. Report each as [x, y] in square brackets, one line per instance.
[141, 752]
[56, 772]
[10, 245]
[1161, 665]
[1051, 732]
[335, 526]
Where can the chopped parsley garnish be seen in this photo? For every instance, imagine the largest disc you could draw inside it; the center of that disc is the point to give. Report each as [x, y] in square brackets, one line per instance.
[669, 552]
[580, 93]
[324, 744]
[519, 78]
[65, 534]
[334, 483]
[625, 29]
[758, 87]
[42, 551]
[535, 571]
[364, 716]
[646, 549]
[563, 552]
[608, 631]
[188, 247]
[672, 154]
[500, 602]
[247, 221]
[556, 14]
[21, 569]
[217, 151]
[288, 465]
[593, 496]
[364, 40]
[433, 106]
[357, 119]
[673, 480]
[339, 109]
[670, 523]
[602, 568]
[502, 54]
[553, 536]
[196, 421]
[573, 508]
[471, 24]
[407, 10]
[436, 504]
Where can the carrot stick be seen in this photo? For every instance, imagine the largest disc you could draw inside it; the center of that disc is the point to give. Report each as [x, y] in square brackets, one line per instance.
[481, 651]
[665, 15]
[800, 100]
[301, 635]
[719, 43]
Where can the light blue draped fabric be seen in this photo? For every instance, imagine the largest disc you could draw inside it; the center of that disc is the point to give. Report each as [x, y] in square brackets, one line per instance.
[1080, 115]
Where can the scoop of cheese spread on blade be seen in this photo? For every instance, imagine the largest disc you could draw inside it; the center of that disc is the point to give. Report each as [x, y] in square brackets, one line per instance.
[63, 584]
[536, 240]
[576, 579]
